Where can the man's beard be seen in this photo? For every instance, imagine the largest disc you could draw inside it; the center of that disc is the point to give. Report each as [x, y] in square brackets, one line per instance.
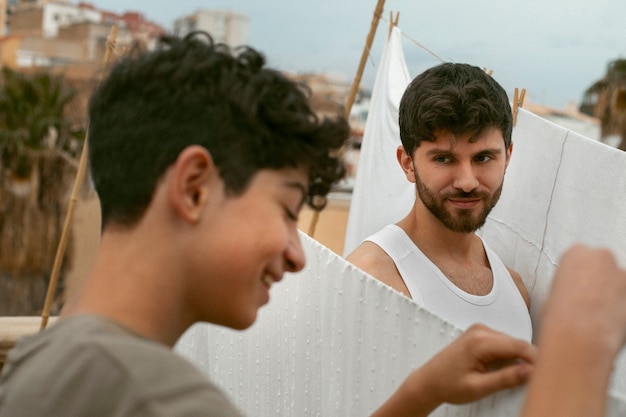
[458, 220]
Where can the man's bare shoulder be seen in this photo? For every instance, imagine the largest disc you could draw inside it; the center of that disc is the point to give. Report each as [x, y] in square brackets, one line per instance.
[372, 259]
[367, 256]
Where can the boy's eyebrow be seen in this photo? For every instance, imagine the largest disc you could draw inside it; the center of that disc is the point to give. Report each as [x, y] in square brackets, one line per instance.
[298, 186]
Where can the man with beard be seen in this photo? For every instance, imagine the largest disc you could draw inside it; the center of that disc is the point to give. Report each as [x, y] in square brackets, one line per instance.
[455, 127]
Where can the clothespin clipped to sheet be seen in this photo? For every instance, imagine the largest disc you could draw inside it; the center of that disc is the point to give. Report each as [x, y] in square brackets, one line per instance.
[393, 22]
[489, 72]
[518, 101]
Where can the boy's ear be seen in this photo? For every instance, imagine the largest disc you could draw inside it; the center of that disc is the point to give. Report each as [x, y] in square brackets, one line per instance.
[192, 177]
[406, 162]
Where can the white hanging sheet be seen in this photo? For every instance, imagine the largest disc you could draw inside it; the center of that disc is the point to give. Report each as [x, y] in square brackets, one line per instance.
[560, 188]
[333, 341]
[380, 194]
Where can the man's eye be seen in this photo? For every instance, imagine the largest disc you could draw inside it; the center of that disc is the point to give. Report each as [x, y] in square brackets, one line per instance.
[483, 158]
[442, 159]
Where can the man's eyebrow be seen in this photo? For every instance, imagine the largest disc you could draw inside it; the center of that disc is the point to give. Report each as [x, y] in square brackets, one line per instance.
[493, 151]
[438, 151]
[448, 151]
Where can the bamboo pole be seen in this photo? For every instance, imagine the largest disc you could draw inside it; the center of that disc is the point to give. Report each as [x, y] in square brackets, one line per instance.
[378, 11]
[78, 181]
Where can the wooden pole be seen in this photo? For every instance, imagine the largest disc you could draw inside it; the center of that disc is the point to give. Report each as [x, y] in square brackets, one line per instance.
[78, 181]
[378, 11]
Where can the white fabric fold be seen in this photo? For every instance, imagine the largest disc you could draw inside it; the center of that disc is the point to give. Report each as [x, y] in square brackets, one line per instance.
[380, 187]
[333, 341]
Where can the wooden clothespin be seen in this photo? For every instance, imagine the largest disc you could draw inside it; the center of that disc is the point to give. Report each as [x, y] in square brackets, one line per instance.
[393, 22]
[518, 101]
[489, 72]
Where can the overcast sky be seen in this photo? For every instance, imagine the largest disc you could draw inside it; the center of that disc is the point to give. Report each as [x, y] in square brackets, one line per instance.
[553, 48]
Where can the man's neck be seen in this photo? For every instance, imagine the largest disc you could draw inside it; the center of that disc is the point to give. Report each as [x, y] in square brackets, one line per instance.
[432, 236]
[460, 257]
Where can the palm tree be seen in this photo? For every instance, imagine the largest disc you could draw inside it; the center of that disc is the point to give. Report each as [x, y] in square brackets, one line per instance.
[38, 158]
[606, 100]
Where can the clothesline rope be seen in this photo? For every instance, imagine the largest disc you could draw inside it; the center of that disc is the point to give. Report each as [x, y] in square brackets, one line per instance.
[419, 44]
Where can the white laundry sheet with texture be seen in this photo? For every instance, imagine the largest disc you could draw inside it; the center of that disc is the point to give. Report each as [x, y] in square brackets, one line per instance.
[333, 341]
[560, 188]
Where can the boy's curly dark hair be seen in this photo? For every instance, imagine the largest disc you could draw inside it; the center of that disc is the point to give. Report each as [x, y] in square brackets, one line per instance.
[193, 91]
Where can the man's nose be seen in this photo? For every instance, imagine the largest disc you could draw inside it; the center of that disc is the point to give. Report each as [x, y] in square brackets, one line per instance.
[465, 178]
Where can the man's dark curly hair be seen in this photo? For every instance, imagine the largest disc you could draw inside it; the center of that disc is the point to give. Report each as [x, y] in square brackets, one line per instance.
[458, 98]
[190, 91]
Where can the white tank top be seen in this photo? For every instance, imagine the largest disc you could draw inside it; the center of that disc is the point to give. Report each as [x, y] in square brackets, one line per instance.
[503, 309]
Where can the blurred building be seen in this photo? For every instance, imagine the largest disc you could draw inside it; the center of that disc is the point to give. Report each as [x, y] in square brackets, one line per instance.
[58, 34]
[224, 26]
[70, 40]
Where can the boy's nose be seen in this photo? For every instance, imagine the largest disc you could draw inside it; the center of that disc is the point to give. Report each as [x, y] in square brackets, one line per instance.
[294, 255]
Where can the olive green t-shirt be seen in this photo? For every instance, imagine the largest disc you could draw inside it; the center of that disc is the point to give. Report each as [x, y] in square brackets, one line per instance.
[92, 367]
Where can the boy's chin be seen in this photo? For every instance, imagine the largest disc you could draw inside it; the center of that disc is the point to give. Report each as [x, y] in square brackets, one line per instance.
[242, 323]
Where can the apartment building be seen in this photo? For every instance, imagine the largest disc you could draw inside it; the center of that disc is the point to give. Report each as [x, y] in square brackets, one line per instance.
[59, 33]
[228, 27]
